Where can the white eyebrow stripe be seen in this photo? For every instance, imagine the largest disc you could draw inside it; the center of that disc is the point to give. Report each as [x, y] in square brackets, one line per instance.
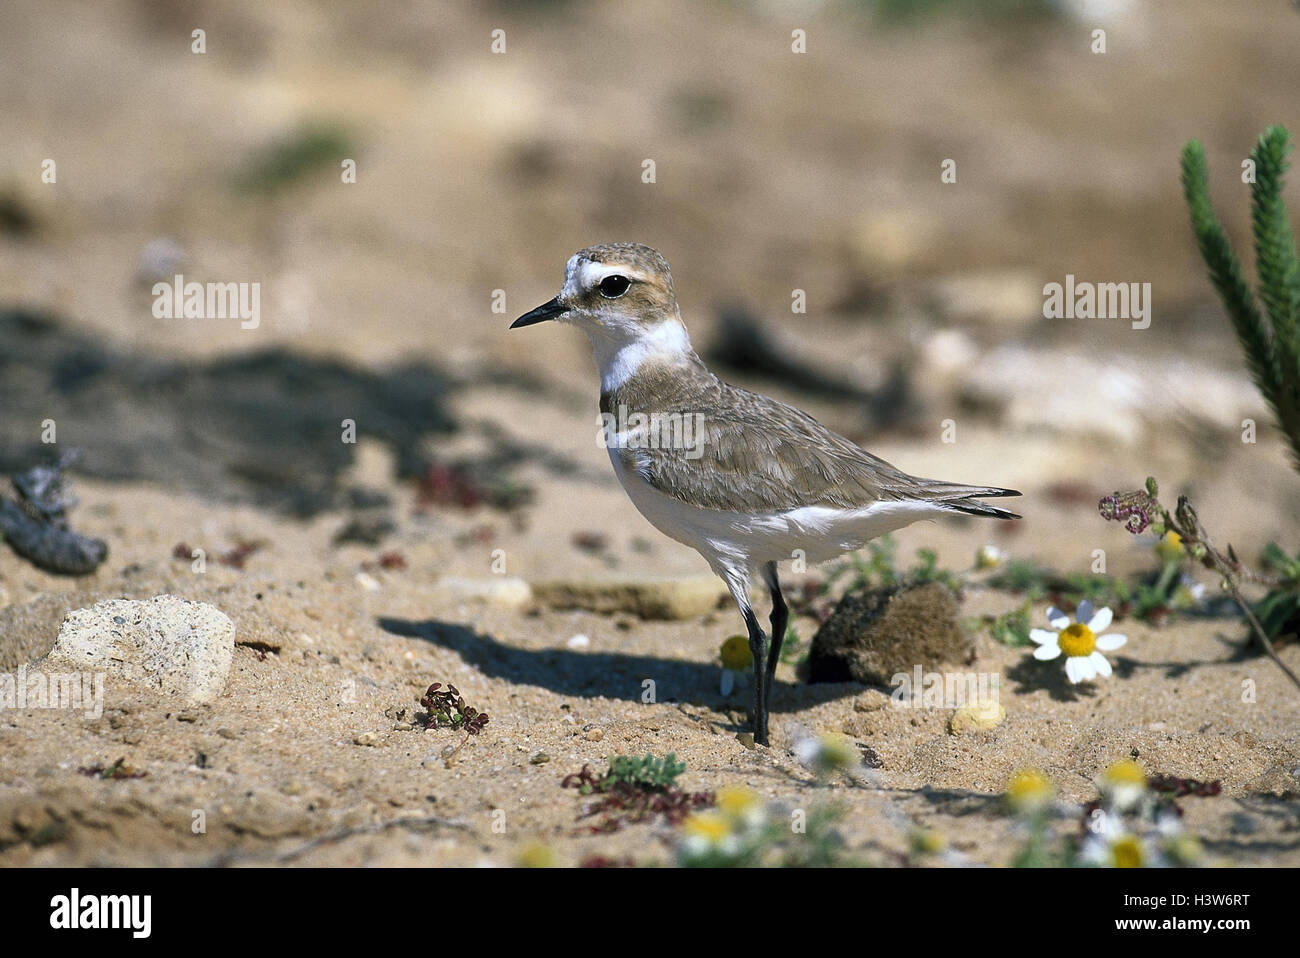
[592, 273]
[583, 274]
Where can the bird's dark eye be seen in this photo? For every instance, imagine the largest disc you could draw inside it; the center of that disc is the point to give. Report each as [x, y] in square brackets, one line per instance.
[612, 287]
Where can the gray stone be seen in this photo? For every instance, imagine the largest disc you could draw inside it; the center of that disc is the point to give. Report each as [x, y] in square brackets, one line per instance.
[172, 645]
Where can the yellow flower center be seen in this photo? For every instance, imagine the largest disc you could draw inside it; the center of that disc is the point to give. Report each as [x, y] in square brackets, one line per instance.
[736, 655]
[736, 802]
[710, 826]
[1029, 789]
[1077, 640]
[1125, 772]
[1127, 852]
[1170, 548]
[537, 855]
[929, 841]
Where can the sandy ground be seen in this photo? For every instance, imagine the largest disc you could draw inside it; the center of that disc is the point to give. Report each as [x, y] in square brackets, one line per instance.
[479, 174]
[274, 763]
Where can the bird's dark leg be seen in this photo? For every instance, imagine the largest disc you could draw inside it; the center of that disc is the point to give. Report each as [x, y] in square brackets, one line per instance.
[758, 648]
[780, 619]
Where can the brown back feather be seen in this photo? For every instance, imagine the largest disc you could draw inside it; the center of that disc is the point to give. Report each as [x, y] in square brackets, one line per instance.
[759, 454]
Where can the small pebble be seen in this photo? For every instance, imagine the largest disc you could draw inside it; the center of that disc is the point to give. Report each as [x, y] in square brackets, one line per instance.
[868, 702]
[539, 758]
[594, 735]
[979, 717]
[579, 642]
[366, 738]
[402, 726]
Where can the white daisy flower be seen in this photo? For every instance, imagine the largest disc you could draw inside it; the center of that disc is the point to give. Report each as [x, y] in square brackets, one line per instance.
[706, 834]
[1117, 849]
[1079, 640]
[1123, 785]
[1111, 844]
[737, 661]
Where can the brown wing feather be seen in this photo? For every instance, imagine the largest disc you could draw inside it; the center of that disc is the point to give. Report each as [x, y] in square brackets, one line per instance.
[758, 454]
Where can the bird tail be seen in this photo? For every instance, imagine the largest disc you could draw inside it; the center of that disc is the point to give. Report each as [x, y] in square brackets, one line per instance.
[973, 507]
[966, 499]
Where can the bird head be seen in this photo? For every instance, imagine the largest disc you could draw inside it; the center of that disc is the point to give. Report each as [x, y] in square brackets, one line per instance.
[616, 289]
[621, 295]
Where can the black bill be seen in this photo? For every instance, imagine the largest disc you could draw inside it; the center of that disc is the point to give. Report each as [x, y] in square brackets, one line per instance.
[541, 314]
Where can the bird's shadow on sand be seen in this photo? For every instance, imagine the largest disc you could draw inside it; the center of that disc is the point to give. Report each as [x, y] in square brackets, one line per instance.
[615, 675]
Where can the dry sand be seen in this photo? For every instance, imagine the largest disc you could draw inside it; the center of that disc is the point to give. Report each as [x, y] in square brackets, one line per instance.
[274, 763]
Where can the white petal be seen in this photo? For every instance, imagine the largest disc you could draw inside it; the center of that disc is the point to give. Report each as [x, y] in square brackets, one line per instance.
[1074, 669]
[1057, 618]
[1084, 612]
[1101, 620]
[1046, 651]
[1044, 635]
[1099, 663]
[1108, 643]
[1086, 670]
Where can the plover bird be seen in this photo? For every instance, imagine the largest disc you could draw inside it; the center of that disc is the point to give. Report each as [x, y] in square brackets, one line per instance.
[744, 480]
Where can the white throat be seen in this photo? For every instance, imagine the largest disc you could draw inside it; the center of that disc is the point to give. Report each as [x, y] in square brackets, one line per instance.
[622, 350]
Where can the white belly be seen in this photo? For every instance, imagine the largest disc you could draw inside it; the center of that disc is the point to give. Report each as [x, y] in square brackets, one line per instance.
[742, 542]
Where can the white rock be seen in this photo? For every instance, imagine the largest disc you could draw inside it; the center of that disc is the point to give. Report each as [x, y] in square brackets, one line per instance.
[166, 643]
[505, 591]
